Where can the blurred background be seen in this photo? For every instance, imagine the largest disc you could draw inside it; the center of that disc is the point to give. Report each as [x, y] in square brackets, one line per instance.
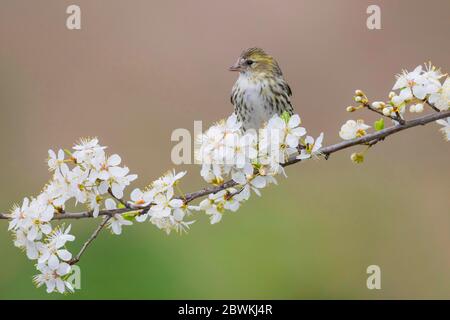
[139, 69]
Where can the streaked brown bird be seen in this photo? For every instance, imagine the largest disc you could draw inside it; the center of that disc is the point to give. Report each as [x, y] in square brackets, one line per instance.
[260, 90]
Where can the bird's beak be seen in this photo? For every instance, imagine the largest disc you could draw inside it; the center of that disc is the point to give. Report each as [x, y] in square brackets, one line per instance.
[235, 67]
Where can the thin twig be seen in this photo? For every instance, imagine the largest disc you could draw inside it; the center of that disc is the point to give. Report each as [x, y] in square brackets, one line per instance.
[399, 117]
[325, 151]
[89, 241]
[395, 118]
[124, 203]
[432, 106]
[231, 195]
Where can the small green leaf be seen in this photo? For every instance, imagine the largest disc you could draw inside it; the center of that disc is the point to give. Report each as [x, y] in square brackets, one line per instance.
[379, 124]
[130, 215]
[285, 116]
[120, 206]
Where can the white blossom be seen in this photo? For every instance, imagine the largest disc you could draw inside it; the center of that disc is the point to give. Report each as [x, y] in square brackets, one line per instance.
[107, 169]
[140, 198]
[31, 247]
[55, 161]
[60, 236]
[116, 222]
[52, 278]
[19, 216]
[93, 203]
[87, 150]
[293, 131]
[164, 204]
[167, 181]
[311, 147]
[353, 129]
[446, 127]
[39, 216]
[441, 98]
[212, 209]
[417, 83]
[53, 252]
[178, 224]
[118, 180]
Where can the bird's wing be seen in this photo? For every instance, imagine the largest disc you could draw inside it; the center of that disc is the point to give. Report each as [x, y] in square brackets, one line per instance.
[287, 88]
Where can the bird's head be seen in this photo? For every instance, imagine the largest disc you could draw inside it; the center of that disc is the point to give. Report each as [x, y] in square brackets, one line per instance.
[254, 62]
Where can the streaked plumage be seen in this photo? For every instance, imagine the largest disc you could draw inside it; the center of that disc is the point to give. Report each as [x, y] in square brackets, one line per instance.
[260, 90]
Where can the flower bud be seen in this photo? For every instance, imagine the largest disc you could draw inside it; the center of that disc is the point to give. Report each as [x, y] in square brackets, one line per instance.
[357, 157]
[387, 111]
[359, 93]
[358, 99]
[379, 105]
[262, 171]
[351, 109]
[419, 107]
[391, 94]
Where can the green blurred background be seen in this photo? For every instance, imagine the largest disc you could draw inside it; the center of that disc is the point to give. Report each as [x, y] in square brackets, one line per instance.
[139, 69]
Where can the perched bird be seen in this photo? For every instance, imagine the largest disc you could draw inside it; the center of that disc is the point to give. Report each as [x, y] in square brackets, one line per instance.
[260, 90]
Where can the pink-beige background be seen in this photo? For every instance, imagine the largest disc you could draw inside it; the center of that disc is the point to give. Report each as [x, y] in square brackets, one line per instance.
[139, 69]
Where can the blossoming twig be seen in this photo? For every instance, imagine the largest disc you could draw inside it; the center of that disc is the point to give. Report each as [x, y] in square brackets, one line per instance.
[326, 151]
[379, 135]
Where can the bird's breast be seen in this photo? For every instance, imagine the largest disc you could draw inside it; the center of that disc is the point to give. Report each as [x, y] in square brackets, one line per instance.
[252, 102]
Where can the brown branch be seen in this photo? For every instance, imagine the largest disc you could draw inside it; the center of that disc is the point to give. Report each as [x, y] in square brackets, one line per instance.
[382, 134]
[325, 151]
[89, 241]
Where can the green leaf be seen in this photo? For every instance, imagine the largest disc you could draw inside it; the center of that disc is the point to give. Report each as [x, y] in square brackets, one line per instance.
[379, 124]
[130, 215]
[285, 116]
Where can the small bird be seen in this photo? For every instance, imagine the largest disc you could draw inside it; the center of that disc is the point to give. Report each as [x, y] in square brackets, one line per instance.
[260, 90]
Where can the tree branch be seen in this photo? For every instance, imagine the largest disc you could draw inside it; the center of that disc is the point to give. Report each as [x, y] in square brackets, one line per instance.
[89, 241]
[325, 151]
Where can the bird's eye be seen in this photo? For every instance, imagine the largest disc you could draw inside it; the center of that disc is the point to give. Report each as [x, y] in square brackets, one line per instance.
[249, 62]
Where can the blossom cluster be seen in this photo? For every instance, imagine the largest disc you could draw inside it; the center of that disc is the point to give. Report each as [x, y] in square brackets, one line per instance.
[415, 90]
[251, 159]
[164, 210]
[84, 175]
[88, 176]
